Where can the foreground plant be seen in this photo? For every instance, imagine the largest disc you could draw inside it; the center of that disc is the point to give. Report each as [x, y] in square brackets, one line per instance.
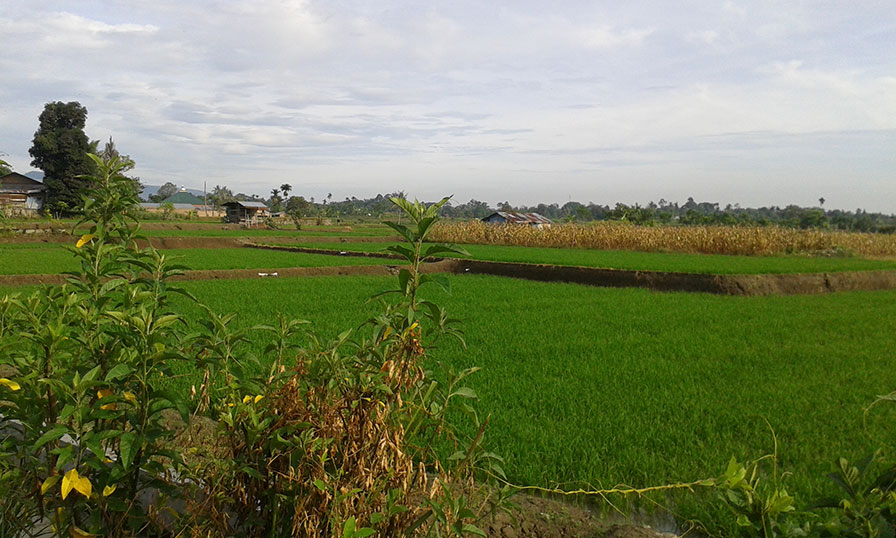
[341, 437]
[333, 438]
[84, 415]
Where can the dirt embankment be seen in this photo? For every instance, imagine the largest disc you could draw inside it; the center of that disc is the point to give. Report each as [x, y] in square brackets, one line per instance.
[783, 284]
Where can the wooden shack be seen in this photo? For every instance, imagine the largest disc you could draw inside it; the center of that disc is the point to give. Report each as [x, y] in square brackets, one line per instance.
[248, 213]
[21, 195]
[517, 218]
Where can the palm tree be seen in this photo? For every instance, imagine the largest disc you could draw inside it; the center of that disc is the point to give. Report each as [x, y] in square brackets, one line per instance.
[285, 188]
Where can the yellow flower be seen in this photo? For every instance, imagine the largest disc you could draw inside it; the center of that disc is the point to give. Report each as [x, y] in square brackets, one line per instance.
[247, 399]
[109, 490]
[84, 240]
[9, 383]
[258, 398]
[129, 396]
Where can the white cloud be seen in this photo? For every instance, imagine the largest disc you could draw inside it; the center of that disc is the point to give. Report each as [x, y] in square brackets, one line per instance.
[497, 97]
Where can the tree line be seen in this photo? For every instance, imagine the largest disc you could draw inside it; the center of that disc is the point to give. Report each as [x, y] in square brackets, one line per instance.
[60, 149]
[663, 213]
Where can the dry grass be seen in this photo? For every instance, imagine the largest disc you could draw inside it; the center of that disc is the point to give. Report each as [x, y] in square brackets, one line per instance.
[736, 240]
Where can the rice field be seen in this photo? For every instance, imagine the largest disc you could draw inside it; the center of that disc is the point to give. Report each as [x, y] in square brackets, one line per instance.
[592, 387]
[735, 240]
[56, 259]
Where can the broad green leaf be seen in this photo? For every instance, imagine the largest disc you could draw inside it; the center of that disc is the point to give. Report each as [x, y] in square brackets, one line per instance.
[465, 392]
[348, 529]
[435, 250]
[51, 435]
[118, 371]
[402, 230]
[91, 375]
[128, 448]
[404, 276]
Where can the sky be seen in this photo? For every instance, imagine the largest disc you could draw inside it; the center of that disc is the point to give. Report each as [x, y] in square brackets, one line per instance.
[752, 102]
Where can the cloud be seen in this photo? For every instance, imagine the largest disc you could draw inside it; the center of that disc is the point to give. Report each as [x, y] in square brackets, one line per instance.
[471, 96]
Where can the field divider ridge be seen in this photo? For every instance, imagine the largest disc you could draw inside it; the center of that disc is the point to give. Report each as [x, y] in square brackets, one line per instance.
[753, 284]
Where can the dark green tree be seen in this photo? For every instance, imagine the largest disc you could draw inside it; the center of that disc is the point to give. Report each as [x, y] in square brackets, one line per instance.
[165, 191]
[219, 196]
[60, 149]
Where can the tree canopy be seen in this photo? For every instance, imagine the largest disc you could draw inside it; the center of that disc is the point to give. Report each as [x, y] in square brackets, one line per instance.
[167, 190]
[60, 149]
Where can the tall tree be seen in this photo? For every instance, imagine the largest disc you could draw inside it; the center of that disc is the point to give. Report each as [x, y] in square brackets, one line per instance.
[285, 188]
[60, 149]
[165, 191]
[4, 167]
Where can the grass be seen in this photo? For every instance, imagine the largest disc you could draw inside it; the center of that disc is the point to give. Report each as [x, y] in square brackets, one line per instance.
[55, 260]
[651, 261]
[594, 387]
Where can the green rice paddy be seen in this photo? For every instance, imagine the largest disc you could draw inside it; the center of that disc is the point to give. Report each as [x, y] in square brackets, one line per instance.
[54, 259]
[594, 387]
[649, 261]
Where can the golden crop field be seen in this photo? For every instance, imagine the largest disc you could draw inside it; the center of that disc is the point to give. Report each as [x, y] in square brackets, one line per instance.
[736, 240]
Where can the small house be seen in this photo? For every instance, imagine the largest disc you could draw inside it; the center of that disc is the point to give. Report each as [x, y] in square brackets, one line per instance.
[20, 194]
[514, 217]
[248, 213]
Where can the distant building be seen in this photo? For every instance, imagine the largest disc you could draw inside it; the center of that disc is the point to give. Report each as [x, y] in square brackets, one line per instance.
[184, 197]
[513, 217]
[20, 194]
[182, 203]
[248, 213]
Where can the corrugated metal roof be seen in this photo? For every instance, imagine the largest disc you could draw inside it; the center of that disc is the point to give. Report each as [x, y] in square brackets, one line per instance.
[515, 217]
[15, 182]
[146, 205]
[249, 205]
